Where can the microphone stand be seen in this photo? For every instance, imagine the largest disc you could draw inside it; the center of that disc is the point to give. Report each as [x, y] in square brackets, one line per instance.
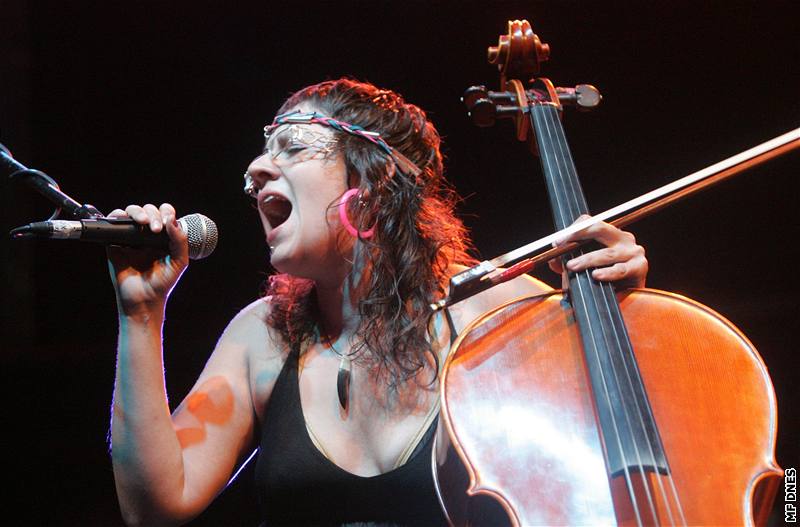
[47, 187]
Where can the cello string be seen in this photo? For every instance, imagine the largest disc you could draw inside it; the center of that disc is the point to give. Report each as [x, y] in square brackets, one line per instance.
[568, 185]
[619, 334]
[650, 442]
[598, 296]
[547, 129]
[604, 295]
[590, 329]
[591, 295]
[654, 444]
[637, 408]
[584, 287]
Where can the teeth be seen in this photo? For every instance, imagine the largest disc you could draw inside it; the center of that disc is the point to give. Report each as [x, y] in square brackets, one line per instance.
[269, 198]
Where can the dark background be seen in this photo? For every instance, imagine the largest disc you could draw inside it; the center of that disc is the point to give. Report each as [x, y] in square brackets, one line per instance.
[125, 103]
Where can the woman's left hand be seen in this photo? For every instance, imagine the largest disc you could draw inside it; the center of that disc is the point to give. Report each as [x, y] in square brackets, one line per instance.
[621, 261]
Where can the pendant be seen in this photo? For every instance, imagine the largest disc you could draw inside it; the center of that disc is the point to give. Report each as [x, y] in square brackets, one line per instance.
[343, 382]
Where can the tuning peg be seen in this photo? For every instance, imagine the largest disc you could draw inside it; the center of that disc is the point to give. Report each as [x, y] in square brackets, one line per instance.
[584, 96]
[473, 94]
[483, 113]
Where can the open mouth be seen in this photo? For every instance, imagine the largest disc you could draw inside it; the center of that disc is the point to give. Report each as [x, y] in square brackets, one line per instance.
[277, 209]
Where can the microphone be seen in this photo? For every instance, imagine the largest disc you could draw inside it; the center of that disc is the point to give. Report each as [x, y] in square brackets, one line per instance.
[201, 232]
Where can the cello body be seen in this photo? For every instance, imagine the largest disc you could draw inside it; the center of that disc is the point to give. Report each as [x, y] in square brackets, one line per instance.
[520, 444]
[594, 408]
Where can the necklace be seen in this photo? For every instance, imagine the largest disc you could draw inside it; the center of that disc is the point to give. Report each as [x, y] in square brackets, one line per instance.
[343, 375]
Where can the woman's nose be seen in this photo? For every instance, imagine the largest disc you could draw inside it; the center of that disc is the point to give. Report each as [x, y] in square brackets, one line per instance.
[259, 172]
[263, 169]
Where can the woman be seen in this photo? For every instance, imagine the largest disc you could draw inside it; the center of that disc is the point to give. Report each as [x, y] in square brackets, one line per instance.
[334, 372]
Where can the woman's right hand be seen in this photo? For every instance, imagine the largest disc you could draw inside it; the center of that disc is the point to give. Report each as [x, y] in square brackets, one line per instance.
[143, 278]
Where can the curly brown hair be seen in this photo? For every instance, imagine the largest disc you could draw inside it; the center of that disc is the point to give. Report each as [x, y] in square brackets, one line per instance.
[417, 236]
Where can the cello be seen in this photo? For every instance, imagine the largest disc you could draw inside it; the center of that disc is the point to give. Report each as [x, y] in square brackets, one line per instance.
[592, 406]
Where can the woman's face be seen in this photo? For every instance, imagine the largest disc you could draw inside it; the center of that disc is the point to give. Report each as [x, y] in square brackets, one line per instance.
[295, 183]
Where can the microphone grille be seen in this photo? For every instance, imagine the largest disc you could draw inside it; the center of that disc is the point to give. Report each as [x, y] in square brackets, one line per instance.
[202, 234]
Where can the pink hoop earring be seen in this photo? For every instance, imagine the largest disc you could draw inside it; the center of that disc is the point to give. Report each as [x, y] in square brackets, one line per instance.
[346, 221]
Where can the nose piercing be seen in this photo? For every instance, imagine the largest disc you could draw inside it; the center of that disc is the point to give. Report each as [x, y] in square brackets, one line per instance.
[249, 185]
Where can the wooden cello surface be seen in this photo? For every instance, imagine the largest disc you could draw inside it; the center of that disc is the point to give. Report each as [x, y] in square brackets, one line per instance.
[593, 408]
[519, 413]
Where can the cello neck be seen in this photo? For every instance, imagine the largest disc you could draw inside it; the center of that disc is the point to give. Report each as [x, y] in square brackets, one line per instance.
[564, 191]
[631, 440]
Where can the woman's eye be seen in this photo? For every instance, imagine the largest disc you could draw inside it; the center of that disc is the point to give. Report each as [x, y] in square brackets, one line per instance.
[292, 149]
[294, 145]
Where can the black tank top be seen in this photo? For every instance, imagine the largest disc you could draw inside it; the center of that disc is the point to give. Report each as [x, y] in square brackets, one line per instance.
[298, 485]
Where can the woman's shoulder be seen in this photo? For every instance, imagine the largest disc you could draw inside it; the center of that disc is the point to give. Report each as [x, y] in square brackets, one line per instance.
[249, 321]
[258, 309]
[250, 328]
[262, 349]
[249, 341]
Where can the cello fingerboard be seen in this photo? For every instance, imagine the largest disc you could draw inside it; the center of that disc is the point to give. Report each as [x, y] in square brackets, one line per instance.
[628, 430]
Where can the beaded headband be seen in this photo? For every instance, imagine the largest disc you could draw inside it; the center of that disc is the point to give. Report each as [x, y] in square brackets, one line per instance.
[403, 163]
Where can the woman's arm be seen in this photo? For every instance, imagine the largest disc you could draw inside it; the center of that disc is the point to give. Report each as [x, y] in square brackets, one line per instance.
[168, 468]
